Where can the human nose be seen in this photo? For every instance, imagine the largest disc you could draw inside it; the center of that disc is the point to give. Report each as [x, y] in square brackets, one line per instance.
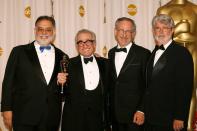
[124, 33]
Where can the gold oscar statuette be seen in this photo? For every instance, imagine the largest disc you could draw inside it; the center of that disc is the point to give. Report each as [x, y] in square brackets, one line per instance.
[27, 12]
[81, 10]
[1, 51]
[105, 51]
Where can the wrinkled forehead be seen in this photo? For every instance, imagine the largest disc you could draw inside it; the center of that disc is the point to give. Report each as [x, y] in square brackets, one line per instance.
[84, 36]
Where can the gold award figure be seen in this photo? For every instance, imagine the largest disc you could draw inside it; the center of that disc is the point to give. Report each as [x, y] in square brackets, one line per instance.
[184, 14]
[1, 52]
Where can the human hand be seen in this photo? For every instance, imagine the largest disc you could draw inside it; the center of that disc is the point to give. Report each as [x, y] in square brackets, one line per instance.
[178, 125]
[62, 78]
[138, 118]
[7, 119]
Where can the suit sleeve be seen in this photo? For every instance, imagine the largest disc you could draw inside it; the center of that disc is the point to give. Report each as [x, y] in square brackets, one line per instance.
[8, 82]
[184, 85]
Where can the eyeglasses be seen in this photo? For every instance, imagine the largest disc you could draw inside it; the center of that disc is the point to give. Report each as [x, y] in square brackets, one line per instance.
[46, 30]
[164, 29]
[127, 32]
[87, 42]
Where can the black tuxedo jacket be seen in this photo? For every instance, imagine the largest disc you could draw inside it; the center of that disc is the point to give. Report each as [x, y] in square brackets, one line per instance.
[75, 102]
[128, 88]
[25, 91]
[169, 86]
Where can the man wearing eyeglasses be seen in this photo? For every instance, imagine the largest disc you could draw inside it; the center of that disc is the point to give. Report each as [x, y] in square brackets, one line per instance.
[86, 87]
[169, 78]
[127, 62]
[31, 98]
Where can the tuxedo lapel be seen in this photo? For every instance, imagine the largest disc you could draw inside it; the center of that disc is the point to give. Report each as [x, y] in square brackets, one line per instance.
[160, 64]
[130, 57]
[162, 61]
[33, 58]
[79, 70]
[99, 65]
[149, 67]
[56, 65]
[101, 72]
[113, 63]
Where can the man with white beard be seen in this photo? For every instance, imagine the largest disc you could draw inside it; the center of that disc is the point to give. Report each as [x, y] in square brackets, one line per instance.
[31, 98]
[169, 80]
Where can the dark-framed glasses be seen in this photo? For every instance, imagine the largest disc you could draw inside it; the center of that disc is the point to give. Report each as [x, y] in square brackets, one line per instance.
[87, 42]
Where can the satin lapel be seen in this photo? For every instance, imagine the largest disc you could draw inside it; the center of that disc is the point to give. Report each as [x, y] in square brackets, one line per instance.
[160, 64]
[149, 67]
[162, 60]
[33, 57]
[113, 64]
[79, 70]
[130, 57]
[101, 73]
[99, 65]
[56, 65]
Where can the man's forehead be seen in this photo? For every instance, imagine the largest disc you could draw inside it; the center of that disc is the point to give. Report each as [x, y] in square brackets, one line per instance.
[44, 23]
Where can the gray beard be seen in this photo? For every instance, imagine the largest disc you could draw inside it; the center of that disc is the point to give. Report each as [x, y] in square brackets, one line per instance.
[161, 41]
[45, 42]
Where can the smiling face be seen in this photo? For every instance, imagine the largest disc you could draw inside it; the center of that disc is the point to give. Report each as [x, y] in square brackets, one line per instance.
[124, 33]
[162, 33]
[85, 44]
[44, 32]
[162, 28]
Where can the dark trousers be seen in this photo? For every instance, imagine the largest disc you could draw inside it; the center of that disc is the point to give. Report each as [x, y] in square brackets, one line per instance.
[33, 128]
[152, 127]
[126, 127]
[93, 122]
[42, 125]
[88, 120]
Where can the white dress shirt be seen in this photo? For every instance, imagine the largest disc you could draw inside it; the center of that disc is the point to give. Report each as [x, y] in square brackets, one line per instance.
[120, 58]
[47, 61]
[160, 52]
[91, 74]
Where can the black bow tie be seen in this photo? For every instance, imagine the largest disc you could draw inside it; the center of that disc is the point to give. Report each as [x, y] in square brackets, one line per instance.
[121, 49]
[86, 60]
[159, 47]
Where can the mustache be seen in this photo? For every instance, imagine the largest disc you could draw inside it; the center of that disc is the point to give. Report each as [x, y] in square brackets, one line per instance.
[122, 36]
[160, 36]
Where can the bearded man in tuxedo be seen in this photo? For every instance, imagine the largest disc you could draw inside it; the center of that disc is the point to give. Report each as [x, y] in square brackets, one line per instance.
[31, 98]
